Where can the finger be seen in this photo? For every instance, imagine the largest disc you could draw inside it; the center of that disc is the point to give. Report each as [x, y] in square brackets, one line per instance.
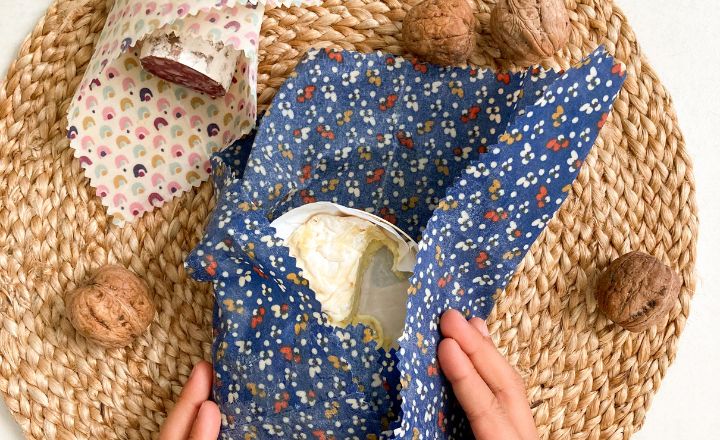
[518, 409]
[500, 376]
[486, 416]
[196, 391]
[207, 422]
[481, 326]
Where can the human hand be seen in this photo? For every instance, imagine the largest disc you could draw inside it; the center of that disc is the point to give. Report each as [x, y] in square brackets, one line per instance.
[488, 388]
[194, 417]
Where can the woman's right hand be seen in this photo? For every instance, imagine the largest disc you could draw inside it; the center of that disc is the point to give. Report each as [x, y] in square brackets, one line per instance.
[488, 388]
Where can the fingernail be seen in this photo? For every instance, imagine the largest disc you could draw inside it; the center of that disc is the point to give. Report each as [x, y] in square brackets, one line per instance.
[484, 330]
[192, 373]
[481, 326]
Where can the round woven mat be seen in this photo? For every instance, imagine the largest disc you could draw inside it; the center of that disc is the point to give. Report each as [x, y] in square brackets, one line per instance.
[586, 377]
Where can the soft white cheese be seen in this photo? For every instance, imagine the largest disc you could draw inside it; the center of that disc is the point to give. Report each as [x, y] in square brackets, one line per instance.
[357, 265]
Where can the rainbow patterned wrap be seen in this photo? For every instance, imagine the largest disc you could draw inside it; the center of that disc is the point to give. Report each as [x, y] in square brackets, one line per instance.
[142, 140]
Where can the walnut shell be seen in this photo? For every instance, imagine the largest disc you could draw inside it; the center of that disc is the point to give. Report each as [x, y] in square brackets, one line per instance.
[528, 31]
[112, 308]
[637, 291]
[440, 31]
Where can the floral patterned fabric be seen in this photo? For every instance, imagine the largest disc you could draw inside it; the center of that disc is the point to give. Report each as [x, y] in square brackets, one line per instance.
[472, 163]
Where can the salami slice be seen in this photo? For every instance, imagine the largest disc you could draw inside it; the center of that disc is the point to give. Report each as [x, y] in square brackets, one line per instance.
[195, 63]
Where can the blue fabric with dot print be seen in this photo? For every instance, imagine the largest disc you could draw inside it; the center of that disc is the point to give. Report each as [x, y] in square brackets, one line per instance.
[470, 162]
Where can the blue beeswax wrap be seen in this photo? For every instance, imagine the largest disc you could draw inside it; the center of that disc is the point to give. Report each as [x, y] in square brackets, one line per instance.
[471, 162]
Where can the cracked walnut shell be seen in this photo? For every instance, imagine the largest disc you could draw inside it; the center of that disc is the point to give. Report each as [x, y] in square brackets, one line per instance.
[440, 31]
[528, 31]
[112, 309]
[637, 291]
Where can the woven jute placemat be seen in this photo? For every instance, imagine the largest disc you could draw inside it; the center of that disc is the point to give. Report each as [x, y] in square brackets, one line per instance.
[586, 377]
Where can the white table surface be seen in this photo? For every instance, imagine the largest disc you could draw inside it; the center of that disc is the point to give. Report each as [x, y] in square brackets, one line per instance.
[679, 37]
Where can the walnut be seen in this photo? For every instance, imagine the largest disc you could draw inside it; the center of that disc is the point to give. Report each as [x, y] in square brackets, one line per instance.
[440, 31]
[529, 30]
[637, 291]
[112, 308]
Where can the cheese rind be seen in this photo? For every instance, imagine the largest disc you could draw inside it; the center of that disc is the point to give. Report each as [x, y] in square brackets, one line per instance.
[357, 266]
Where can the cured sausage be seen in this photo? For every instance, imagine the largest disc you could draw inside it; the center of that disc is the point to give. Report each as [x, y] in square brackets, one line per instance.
[190, 61]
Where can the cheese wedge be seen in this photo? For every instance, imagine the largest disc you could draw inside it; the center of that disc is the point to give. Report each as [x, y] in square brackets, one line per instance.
[357, 264]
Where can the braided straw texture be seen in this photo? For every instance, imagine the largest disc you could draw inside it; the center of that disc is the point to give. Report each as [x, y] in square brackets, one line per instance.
[586, 377]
